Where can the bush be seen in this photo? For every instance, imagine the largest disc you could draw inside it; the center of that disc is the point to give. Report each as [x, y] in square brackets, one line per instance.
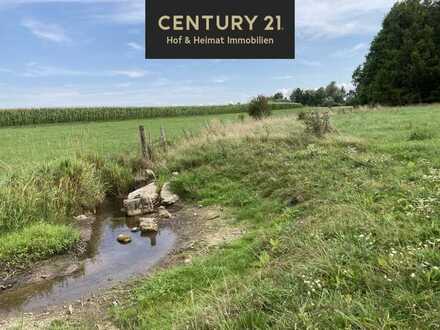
[259, 107]
[318, 123]
[302, 115]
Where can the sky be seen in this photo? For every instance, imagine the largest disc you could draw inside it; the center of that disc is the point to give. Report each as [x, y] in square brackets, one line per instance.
[91, 53]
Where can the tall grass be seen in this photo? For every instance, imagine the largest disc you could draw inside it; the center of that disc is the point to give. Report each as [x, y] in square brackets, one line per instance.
[21, 117]
[36, 206]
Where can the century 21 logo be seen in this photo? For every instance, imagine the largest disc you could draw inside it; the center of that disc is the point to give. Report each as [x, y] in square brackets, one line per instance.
[221, 23]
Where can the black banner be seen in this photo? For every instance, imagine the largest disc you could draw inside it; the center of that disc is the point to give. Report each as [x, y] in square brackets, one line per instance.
[223, 29]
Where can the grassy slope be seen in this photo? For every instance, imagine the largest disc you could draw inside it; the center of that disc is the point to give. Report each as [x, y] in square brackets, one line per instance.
[361, 251]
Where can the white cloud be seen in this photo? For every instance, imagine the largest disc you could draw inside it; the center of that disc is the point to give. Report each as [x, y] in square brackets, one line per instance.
[314, 18]
[336, 18]
[357, 49]
[308, 63]
[286, 77]
[45, 31]
[129, 73]
[34, 70]
[135, 46]
[220, 80]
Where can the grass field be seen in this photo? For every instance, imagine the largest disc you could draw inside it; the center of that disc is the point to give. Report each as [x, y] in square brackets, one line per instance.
[342, 231]
[23, 146]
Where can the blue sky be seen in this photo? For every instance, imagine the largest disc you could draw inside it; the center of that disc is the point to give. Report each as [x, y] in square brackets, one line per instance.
[91, 52]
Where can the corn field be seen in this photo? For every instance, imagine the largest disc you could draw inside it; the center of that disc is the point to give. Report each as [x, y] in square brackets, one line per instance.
[21, 117]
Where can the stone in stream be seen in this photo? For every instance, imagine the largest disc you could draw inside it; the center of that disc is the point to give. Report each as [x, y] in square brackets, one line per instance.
[141, 201]
[148, 225]
[124, 239]
[133, 206]
[135, 229]
[164, 214]
[147, 192]
[167, 196]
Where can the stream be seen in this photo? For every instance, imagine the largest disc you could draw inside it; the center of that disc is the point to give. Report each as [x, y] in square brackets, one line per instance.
[106, 263]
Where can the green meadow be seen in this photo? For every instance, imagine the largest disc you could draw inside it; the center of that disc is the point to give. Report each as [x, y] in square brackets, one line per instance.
[342, 231]
[36, 144]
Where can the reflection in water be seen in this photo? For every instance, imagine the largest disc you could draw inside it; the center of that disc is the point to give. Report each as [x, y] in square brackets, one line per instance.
[106, 261]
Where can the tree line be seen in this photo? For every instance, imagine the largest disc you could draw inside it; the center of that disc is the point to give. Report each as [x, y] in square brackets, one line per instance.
[329, 96]
[402, 66]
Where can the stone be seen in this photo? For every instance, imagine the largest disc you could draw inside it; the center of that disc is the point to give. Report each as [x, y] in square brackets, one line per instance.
[70, 310]
[148, 225]
[124, 239]
[167, 196]
[148, 192]
[175, 173]
[135, 229]
[164, 214]
[133, 206]
[141, 201]
[71, 269]
[81, 217]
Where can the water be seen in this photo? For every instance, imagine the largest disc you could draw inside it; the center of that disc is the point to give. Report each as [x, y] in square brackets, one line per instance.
[105, 263]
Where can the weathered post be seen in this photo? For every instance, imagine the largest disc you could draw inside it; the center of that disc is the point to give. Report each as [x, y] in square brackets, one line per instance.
[144, 149]
[150, 146]
[163, 138]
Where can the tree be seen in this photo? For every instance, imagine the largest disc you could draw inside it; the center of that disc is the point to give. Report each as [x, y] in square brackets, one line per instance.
[403, 65]
[259, 107]
[278, 96]
[297, 96]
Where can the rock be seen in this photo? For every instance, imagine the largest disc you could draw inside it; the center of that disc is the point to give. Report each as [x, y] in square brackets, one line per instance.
[175, 173]
[81, 217]
[70, 310]
[3, 287]
[168, 197]
[135, 229]
[141, 201]
[164, 214]
[133, 206]
[148, 225]
[71, 269]
[124, 239]
[148, 192]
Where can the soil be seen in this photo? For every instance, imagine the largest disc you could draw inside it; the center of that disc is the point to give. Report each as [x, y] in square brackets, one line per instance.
[199, 229]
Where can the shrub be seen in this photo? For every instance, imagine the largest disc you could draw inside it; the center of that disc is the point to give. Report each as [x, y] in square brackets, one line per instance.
[302, 115]
[259, 107]
[318, 123]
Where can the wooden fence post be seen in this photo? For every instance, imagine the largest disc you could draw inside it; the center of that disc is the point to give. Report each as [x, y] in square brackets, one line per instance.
[144, 148]
[150, 146]
[163, 138]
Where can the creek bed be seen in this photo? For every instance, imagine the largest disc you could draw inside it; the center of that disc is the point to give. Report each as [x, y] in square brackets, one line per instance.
[106, 263]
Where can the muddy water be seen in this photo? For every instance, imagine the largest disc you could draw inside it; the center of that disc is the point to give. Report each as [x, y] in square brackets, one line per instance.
[106, 263]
